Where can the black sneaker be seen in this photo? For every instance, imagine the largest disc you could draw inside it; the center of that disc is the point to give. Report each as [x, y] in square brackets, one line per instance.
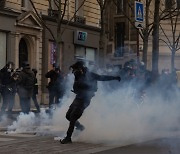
[66, 140]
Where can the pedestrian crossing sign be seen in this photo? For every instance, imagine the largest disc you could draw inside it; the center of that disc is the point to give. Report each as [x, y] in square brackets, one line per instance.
[139, 11]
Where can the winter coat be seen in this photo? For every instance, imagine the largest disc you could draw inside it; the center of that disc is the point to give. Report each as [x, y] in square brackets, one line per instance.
[85, 85]
[8, 84]
[56, 81]
[26, 81]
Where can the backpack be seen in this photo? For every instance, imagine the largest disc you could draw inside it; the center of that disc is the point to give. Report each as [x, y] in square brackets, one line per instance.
[29, 81]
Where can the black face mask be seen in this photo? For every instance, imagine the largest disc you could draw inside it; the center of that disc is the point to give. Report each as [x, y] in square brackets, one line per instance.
[77, 72]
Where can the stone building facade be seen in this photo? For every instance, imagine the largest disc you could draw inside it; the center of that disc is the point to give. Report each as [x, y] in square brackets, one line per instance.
[124, 41]
[23, 37]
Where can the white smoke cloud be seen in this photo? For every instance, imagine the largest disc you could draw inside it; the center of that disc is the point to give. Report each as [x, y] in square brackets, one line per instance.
[113, 117]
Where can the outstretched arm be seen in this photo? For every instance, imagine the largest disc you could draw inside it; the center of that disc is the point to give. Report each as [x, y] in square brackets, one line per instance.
[105, 77]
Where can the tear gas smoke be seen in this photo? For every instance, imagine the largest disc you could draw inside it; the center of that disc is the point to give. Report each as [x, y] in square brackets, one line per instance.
[113, 117]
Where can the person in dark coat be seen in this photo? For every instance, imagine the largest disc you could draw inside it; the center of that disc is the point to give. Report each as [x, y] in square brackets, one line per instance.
[55, 86]
[85, 86]
[25, 81]
[35, 91]
[8, 87]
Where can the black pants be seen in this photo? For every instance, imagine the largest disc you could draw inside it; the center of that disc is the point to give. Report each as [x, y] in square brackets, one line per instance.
[8, 101]
[74, 113]
[54, 97]
[34, 98]
[25, 103]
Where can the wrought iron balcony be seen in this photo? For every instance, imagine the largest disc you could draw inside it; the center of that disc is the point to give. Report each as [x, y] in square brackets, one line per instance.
[80, 19]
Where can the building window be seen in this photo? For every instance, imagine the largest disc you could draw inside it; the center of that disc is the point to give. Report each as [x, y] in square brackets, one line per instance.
[2, 49]
[121, 6]
[78, 8]
[52, 5]
[87, 54]
[2, 3]
[178, 4]
[26, 5]
[23, 3]
[23, 51]
[120, 38]
[170, 4]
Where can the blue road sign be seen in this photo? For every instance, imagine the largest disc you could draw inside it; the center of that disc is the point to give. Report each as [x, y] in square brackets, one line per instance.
[139, 11]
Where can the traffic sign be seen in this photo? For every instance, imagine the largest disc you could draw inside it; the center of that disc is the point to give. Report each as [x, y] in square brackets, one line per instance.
[139, 11]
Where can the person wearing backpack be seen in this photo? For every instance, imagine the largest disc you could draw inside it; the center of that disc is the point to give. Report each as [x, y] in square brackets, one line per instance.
[25, 81]
[55, 86]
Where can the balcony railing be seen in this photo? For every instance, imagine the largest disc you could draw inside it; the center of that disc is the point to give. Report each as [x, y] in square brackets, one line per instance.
[80, 19]
[53, 13]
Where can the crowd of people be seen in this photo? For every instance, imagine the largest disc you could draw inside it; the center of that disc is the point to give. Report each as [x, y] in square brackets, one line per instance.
[23, 81]
[135, 75]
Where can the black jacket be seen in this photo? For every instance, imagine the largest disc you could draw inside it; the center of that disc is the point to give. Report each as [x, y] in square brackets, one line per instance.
[56, 80]
[8, 84]
[26, 81]
[85, 85]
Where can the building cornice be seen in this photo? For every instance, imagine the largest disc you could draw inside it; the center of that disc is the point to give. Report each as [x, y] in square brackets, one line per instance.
[78, 25]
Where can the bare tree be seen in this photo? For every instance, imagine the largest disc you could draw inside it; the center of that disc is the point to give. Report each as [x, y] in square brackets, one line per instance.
[60, 14]
[102, 5]
[151, 25]
[173, 41]
[155, 39]
[147, 29]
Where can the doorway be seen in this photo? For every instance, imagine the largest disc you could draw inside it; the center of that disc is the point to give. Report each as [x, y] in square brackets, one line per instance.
[23, 51]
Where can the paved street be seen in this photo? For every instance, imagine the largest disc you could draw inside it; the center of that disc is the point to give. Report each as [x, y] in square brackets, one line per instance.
[30, 143]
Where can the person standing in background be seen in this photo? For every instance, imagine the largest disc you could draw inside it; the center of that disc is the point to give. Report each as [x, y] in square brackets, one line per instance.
[25, 86]
[35, 91]
[55, 86]
[8, 88]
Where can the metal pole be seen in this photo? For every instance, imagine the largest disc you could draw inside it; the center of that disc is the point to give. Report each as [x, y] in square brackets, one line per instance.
[137, 44]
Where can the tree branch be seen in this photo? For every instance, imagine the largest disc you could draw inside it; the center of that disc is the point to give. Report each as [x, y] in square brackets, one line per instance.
[166, 44]
[41, 20]
[165, 35]
[73, 16]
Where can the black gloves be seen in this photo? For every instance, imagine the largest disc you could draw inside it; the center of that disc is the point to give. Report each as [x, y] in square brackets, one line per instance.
[118, 78]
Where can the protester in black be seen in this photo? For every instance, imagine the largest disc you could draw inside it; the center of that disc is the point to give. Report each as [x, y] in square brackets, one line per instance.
[8, 87]
[35, 91]
[55, 86]
[25, 81]
[85, 86]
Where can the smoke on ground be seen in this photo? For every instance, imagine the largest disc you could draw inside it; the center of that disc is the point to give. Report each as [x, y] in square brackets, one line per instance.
[113, 117]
